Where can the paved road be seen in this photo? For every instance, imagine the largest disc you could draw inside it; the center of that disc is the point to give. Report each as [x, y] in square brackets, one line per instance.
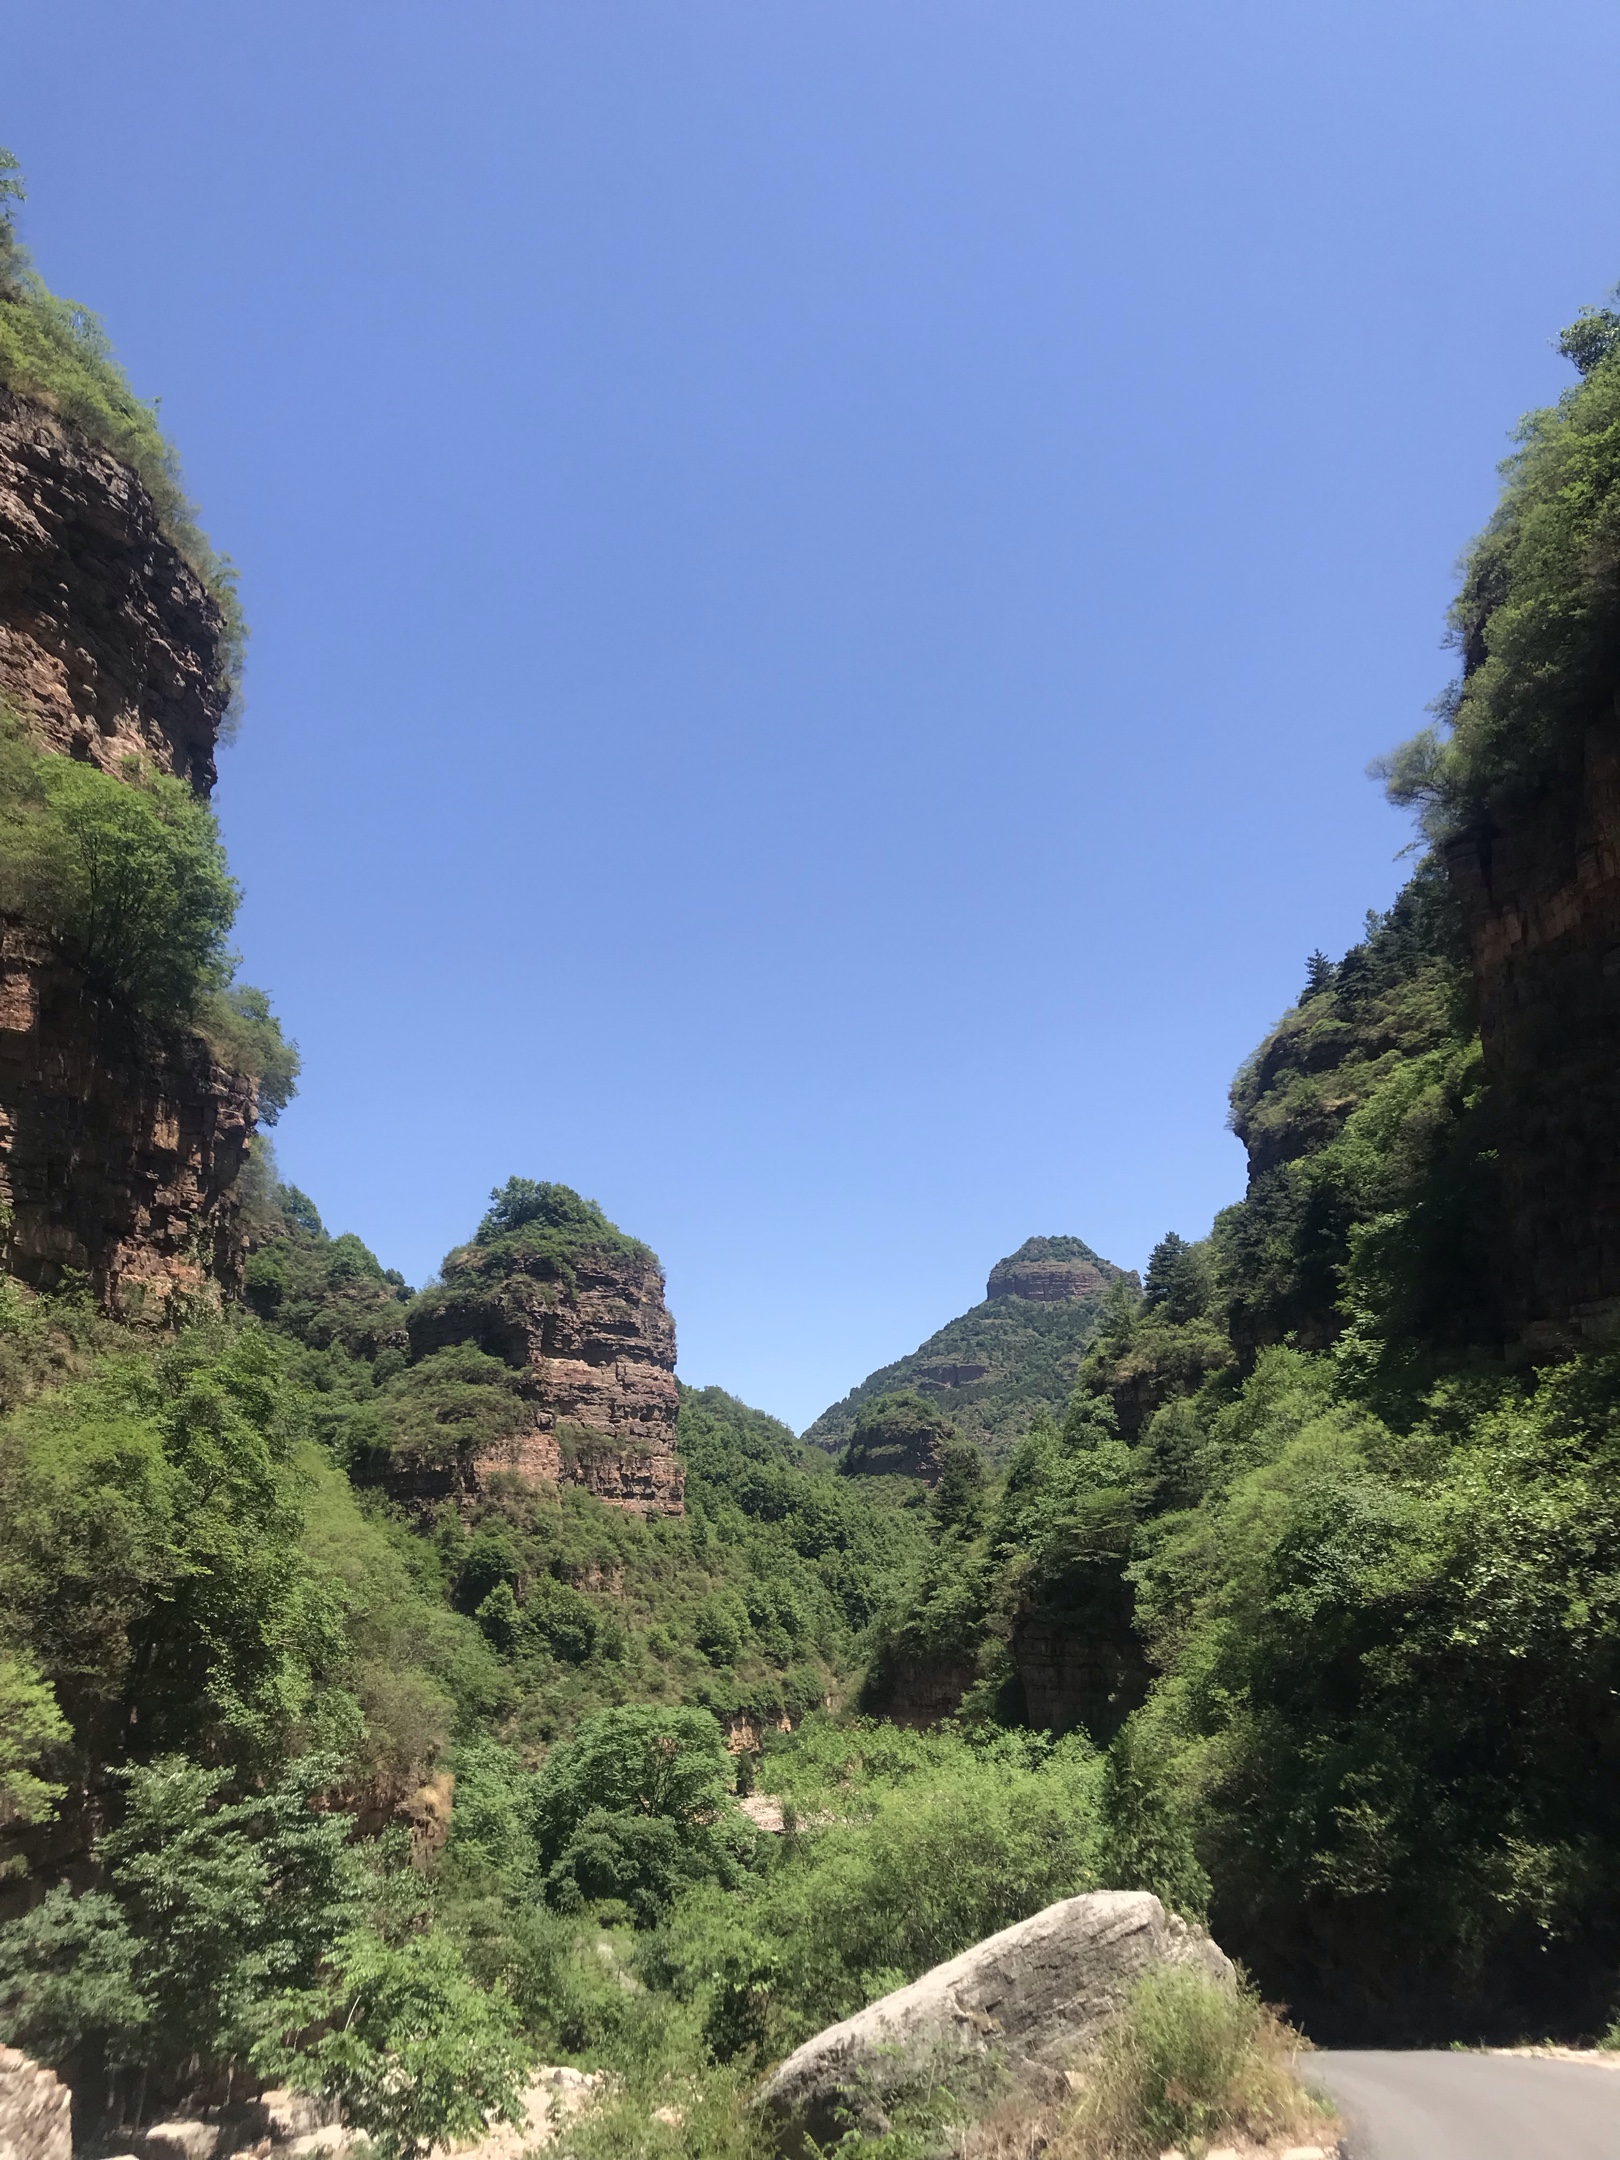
[1432, 2106]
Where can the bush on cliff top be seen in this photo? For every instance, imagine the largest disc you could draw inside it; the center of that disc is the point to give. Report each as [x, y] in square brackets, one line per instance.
[528, 1218]
[57, 351]
[1538, 618]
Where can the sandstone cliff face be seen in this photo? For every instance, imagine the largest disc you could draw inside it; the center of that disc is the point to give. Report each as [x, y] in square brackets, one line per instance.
[119, 1142]
[1542, 903]
[595, 1344]
[110, 643]
[1044, 1278]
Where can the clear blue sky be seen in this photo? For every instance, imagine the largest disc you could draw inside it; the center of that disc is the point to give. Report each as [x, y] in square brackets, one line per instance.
[823, 577]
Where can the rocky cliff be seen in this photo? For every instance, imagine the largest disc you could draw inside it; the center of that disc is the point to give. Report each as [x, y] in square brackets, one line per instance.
[111, 645]
[1541, 896]
[120, 1141]
[1010, 1357]
[585, 1328]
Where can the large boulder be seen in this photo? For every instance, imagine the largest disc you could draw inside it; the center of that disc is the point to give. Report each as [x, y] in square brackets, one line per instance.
[1021, 2005]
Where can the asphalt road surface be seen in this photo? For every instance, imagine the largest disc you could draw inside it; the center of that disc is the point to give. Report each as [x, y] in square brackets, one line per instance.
[1427, 2105]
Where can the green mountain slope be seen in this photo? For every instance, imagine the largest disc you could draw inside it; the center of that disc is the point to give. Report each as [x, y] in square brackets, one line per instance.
[1012, 1356]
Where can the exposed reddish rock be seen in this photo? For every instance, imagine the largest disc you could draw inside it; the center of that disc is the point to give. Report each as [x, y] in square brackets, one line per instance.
[1046, 1279]
[119, 1141]
[110, 643]
[595, 1344]
[1542, 902]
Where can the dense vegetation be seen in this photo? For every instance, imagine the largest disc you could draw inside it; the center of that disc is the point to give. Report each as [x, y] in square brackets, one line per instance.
[1294, 1596]
[1537, 621]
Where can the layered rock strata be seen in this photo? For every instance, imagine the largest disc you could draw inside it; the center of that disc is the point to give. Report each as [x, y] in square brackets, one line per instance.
[1541, 898]
[110, 643]
[120, 1142]
[594, 1344]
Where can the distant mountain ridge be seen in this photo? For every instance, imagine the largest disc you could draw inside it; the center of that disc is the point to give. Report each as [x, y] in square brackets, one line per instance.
[1012, 1355]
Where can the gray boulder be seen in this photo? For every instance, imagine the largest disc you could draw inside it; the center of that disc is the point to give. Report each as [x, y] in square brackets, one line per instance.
[1022, 2005]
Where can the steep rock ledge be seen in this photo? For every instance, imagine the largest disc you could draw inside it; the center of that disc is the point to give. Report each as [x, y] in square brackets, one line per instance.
[119, 1142]
[595, 1345]
[110, 643]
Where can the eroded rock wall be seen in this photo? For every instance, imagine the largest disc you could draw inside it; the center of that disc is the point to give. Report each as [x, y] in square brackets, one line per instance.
[119, 1142]
[595, 1344]
[110, 643]
[1542, 901]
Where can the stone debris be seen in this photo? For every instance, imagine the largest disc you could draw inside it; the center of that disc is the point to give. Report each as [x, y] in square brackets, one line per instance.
[1259, 2152]
[551, 2100]
[182, 2138]
[36, 2112]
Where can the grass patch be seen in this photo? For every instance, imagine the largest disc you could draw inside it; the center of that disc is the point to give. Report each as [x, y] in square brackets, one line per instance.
[1190, 2062]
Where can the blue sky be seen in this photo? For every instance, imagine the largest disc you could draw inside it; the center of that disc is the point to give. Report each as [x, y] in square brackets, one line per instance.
[822, 577]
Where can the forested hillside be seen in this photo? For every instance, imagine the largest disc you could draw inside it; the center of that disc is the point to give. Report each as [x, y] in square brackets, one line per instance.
[399, 1689]
[1012, 1356]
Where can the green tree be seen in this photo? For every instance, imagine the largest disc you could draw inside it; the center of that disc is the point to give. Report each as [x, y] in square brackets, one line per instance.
[32, 1728]
[636, 1805]
[1177, 1280]
[416, 2052]
[130, 876]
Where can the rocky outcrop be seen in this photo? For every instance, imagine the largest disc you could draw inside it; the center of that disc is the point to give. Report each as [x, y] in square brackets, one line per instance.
[1041, 1269]
[1541, 897]
[900, 1435]
[36, 2118]
[1077, 1677]
[594, 1343]
[918, 1691]
[119, 1142]
[111, 645]
[1024, 2005]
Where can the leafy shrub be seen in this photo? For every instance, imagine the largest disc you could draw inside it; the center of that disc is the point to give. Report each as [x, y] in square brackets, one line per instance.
[905, 1848]
[128, 876]
[1536, 620]
[211, 1907]
[32, 1730]
[637, 1806]
[403, 2037]
[530, 1218]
